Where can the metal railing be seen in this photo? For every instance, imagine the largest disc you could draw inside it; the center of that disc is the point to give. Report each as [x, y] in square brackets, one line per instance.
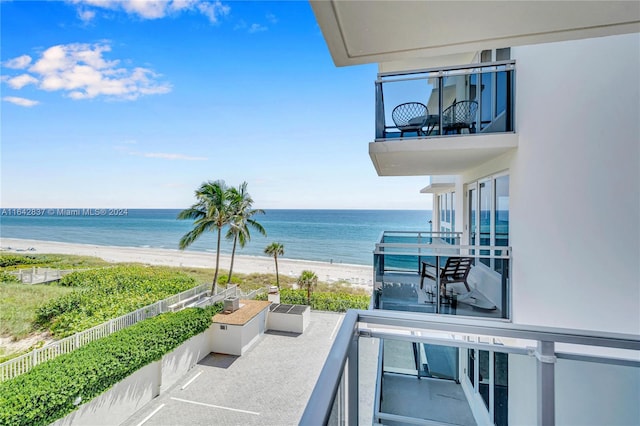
[335, 399]
[20, 365]
[487, 87]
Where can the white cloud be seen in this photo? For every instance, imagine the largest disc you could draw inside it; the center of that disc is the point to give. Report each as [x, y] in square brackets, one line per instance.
[20, 101]
[168, 156]
[86, 15]
[156, 9]
[82, 72]
[21, 62]
[257, 28]
[161, 155]
[272, 18]
[20, 81]
[241, 25]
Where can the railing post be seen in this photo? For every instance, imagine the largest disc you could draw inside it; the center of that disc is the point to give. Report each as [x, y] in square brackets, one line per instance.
[380, 121]
[546, 359]
[352, 381]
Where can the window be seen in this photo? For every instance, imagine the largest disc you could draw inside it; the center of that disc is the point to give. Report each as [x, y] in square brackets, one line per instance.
[447, 216]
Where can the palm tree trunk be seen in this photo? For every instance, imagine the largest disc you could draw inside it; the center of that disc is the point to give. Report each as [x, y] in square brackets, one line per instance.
[277, 275]
[215, 276]
[233, 254]
[309, 294]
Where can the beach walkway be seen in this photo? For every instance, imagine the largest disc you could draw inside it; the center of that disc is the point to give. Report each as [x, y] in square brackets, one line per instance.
[269, 385]
[37, 275]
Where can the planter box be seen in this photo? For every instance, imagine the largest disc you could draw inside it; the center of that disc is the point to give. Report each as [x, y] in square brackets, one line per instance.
[128, 396]
[120, 402]
[289, 318]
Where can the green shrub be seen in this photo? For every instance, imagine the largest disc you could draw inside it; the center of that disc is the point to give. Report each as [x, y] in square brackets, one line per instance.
[324, 301]
[6, 277]
[56, 261]
[7, 259]
[108, 293]
[47, 392]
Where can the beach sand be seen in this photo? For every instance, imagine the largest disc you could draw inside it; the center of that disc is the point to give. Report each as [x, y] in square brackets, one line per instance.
[357, 275]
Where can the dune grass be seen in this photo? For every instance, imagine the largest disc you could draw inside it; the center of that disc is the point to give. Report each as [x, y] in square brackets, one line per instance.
[19, 302]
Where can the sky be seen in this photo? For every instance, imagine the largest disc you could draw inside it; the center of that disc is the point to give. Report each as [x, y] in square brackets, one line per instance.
[134, 104]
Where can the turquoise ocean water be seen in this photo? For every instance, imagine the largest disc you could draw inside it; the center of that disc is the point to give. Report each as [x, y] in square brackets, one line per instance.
[341, 236]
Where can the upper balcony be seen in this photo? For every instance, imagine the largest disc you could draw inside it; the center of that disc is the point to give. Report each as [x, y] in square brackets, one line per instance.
[443, 121]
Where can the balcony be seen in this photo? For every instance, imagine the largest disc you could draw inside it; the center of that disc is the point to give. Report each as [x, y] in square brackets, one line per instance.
[443, 121]
[404, 368]
[409, 267]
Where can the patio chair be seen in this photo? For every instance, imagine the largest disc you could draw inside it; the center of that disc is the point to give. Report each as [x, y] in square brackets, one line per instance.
[410, 117]
[456, 270]
[460, 115]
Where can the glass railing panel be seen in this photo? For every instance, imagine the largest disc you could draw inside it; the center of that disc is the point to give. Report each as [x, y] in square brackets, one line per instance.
[336, 418]
[613, 389]
[477, 372]
[463, 100]
[443, 278]
[438, 397]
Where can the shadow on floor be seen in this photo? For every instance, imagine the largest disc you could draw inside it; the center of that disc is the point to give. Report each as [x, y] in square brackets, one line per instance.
[283, 333]
[218, 360]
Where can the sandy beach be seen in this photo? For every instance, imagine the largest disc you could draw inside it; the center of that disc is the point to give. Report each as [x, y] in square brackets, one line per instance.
[329, 272]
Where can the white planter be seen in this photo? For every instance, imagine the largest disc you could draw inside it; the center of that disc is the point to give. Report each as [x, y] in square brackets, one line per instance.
[128, 396]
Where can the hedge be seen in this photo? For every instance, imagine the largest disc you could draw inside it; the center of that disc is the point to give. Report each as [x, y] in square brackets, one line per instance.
[47, 392]
[108, 293]
[325, 301]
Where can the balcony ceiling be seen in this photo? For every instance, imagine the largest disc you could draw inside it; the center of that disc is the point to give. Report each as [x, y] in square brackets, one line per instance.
[449, 155]
[358, 32]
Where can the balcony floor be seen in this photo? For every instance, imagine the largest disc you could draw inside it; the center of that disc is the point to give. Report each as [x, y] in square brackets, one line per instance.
[409, 297]
[430, 399]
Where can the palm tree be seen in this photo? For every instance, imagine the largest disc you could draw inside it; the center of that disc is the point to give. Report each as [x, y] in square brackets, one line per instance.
[241, 203]
[275, 249]
[211, 212]
[308, 279]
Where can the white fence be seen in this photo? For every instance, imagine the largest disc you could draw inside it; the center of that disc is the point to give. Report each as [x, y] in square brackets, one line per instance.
[195, 296]
[37, 275]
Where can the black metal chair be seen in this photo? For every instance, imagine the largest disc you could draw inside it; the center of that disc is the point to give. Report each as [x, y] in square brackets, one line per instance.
[410, 117]
[460, 115]
[456, 270]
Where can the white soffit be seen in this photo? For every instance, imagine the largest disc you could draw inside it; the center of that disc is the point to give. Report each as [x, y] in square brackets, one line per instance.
[450, 155]
[358, 32]
[438, 188]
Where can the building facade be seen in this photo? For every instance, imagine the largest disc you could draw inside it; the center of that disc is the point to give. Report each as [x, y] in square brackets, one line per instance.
[524, 118]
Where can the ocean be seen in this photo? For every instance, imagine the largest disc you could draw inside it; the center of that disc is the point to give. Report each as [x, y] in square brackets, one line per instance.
[339, 236]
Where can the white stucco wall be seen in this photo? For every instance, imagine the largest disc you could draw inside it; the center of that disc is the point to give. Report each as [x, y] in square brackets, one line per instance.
[226, 339]
[575, 185]
[237, 339]
[118, 403]
[289, 322]
[184, 358]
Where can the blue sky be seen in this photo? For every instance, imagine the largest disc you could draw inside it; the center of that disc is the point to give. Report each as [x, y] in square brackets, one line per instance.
[135, 104]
